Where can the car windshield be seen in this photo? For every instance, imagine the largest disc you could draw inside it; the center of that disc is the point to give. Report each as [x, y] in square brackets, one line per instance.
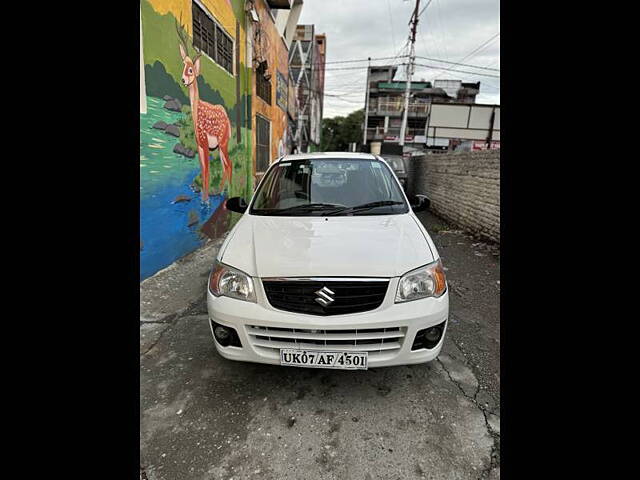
[313, 187]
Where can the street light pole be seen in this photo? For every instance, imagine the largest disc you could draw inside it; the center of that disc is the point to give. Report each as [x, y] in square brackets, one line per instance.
[412, 53]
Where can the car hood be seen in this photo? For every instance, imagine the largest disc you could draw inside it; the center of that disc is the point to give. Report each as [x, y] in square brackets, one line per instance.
[367, 246]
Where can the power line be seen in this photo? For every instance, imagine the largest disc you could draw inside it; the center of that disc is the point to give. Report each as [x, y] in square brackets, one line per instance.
[458, 63]
[356, 60]
[437, 44]
[393, 39]
[474, 51]
[425, 7]
[327, 93]
[347, 89]
[486, 84]
[442, 35]
[437, 67]
[400, 53]
[361, 67]
[363, 59]
[434, 67]
[340, 95]
[493, 63]
[392, 63]
[352, 102]
[482, 47]
[404, 56]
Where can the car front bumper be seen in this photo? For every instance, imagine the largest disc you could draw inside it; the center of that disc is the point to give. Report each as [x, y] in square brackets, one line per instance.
[409, 317]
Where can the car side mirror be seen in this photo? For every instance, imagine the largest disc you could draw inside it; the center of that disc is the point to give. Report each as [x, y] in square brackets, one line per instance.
[419, 202]
[236, 204]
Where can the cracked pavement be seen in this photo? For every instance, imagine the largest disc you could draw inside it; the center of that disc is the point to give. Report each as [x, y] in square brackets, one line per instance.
[204, 417]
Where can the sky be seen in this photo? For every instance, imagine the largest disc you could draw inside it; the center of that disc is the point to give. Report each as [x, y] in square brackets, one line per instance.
[450, 30]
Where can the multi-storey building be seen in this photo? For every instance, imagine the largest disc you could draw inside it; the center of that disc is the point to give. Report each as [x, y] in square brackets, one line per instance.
[271, 32]
[306, 68]
[207, 66]
[384, 107]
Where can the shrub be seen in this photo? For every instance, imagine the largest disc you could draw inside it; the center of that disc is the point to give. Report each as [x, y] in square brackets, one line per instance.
[187, 136]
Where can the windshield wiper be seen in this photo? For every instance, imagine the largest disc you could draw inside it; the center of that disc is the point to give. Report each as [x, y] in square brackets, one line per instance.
[367, 206]
[307, 207]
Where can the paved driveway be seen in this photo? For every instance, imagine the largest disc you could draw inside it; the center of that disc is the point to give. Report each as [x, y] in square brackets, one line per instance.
[204, 417]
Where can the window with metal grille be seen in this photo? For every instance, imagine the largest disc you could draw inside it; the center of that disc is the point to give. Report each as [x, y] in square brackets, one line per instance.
[263, 87]
[263, 157]
[209, 37]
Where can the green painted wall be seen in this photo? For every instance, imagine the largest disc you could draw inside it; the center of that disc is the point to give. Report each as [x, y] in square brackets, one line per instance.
[172, 217]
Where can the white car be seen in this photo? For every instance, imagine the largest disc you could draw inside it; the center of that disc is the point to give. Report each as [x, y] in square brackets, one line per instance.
[328, 268]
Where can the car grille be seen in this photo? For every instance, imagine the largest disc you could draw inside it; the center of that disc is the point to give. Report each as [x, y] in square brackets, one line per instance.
[376, 341]
[349, 296]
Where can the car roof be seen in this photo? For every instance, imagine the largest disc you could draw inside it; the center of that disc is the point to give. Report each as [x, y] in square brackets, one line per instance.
[320, 155]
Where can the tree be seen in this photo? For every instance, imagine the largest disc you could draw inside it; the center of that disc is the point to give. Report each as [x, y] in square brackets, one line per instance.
[339, 132]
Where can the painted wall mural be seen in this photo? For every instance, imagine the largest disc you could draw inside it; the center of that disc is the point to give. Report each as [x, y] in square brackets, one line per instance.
[196, 134]
[211, 124]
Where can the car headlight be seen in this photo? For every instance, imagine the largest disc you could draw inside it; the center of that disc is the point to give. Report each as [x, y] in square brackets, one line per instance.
[427, 281]
[229, 282]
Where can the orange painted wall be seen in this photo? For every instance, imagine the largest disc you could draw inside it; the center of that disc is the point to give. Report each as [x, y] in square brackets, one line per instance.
[278, 59]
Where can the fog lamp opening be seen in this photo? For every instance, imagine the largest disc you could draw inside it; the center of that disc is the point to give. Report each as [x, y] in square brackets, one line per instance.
[433, 334]
[428, 337]
[225, 336]
[222, 334]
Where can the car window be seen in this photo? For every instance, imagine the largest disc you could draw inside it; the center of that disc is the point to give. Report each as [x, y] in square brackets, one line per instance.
[395, 163]
[308, 187]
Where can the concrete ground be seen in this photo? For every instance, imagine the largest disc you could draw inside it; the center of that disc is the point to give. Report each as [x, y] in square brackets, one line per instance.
[204, 417]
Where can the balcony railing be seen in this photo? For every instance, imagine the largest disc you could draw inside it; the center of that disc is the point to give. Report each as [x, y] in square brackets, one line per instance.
[396, 107]
[378, 133]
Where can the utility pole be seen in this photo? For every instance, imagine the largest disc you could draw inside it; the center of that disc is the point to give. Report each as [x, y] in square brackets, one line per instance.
[366, 108]
[412, 57]
[490, 136]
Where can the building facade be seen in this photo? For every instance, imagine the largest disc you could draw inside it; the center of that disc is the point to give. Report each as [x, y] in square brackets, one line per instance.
[384, 107]
[207, 69]
[271, 23]
[306, 68]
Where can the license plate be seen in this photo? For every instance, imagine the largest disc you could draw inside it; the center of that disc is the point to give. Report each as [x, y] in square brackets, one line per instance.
[315, 359]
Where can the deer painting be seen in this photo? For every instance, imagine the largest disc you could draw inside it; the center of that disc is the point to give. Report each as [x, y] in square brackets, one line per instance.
[211, 125]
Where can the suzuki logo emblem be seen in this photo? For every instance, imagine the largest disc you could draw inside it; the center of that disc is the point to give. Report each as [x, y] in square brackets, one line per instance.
[324, 296]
